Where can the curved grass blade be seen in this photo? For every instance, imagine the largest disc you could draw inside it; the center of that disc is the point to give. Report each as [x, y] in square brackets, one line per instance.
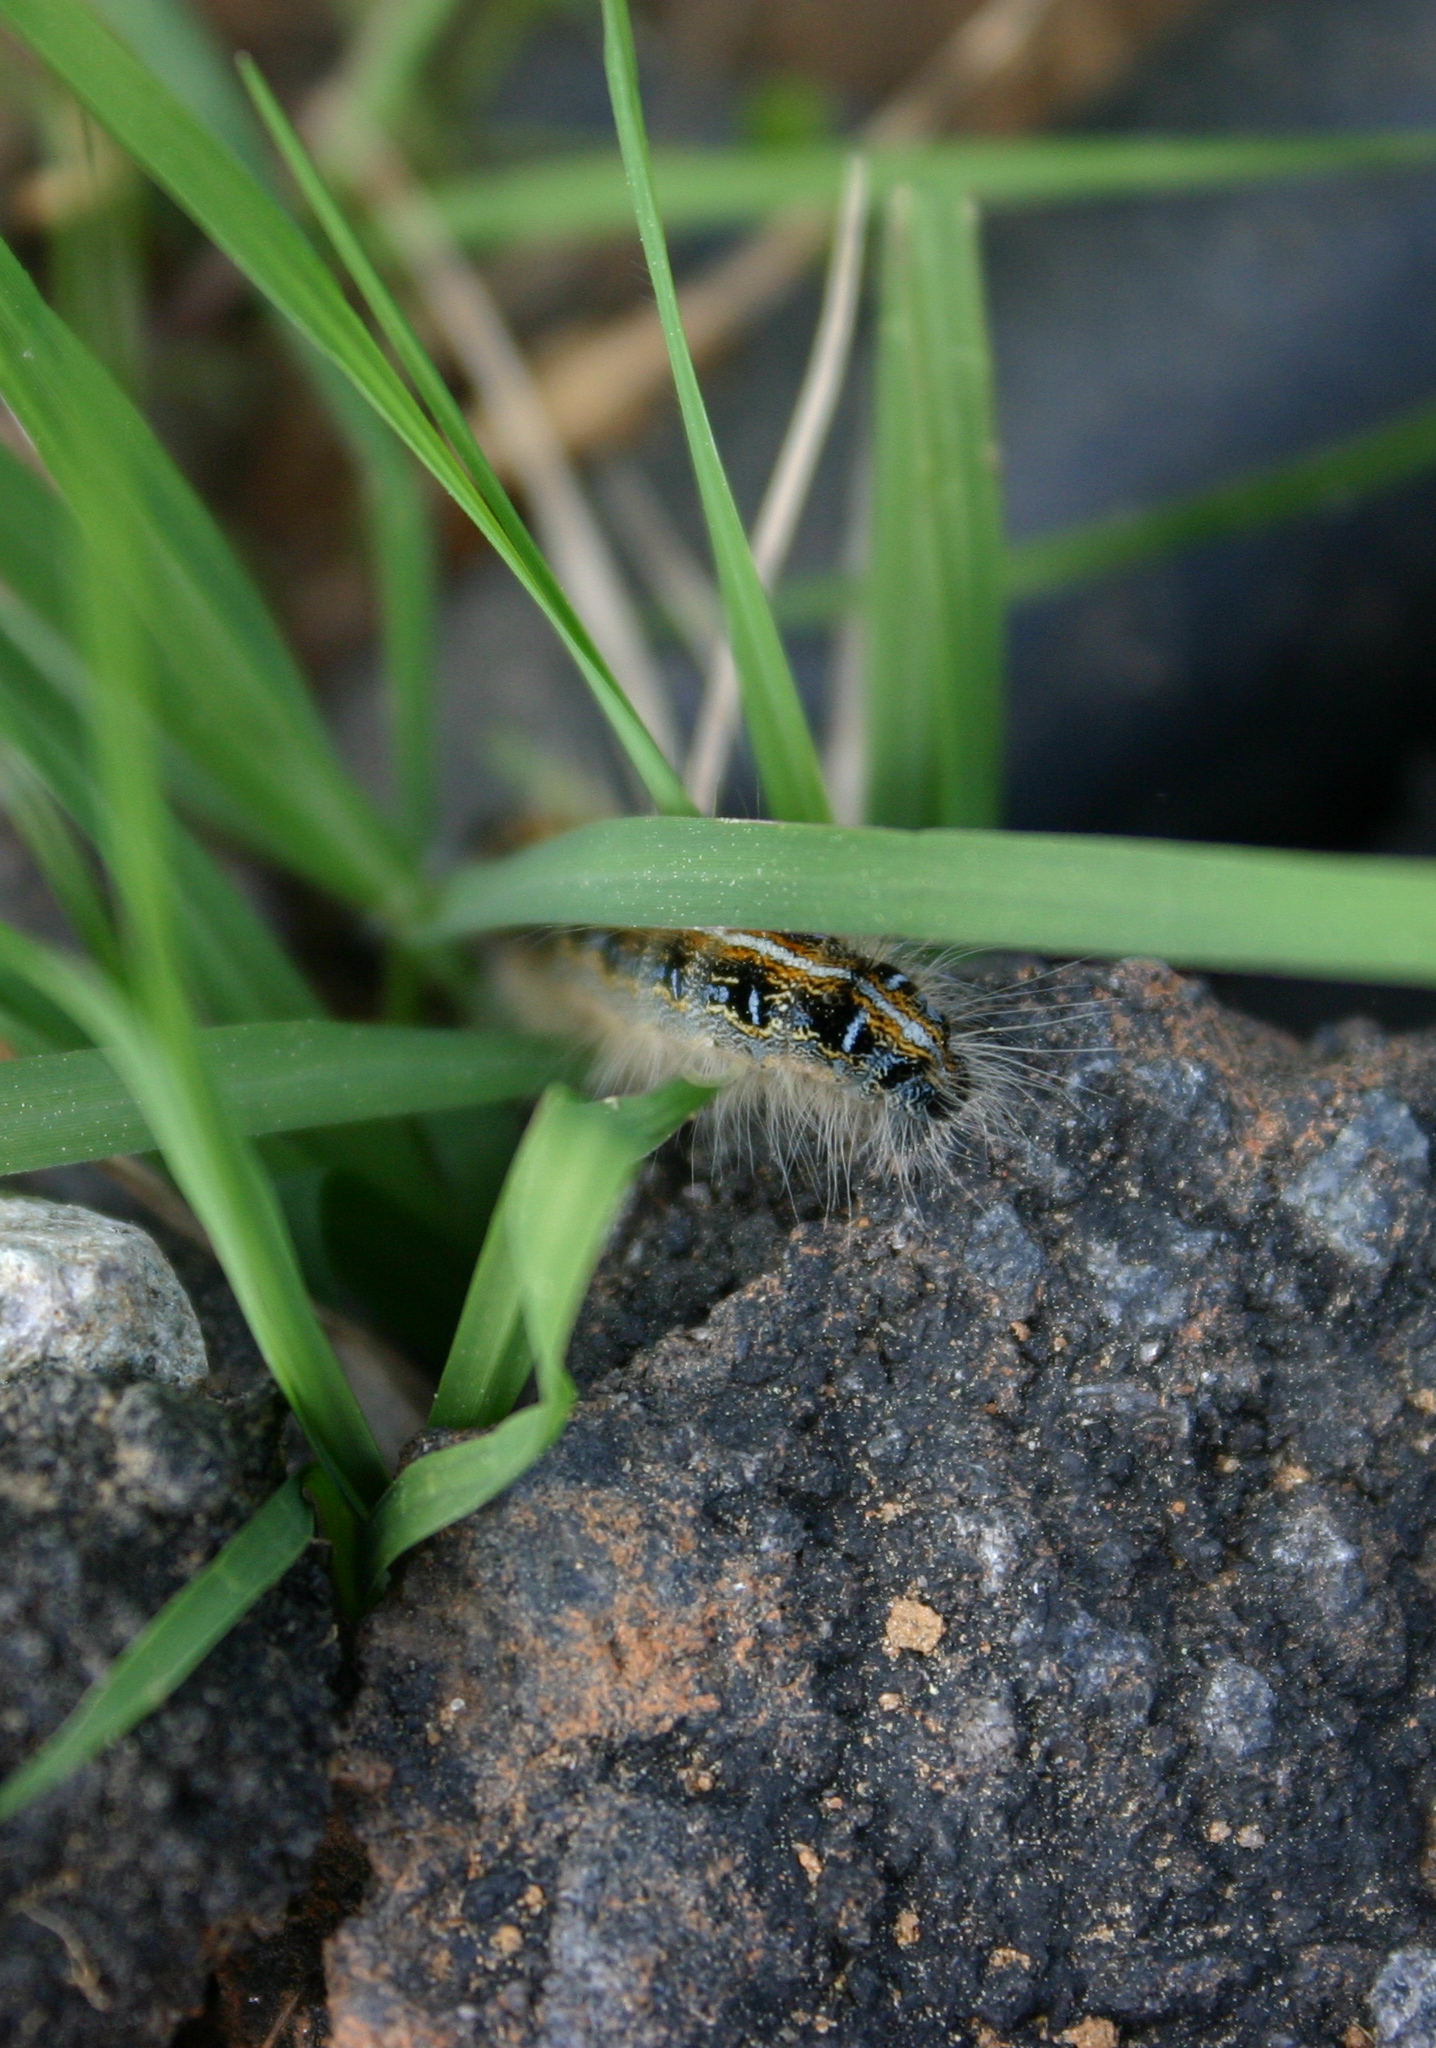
[935, 595]
[168, 1648]
[553, 1218]
[1358, 917]
[777, 728]
[444, 1485]
[56, 1108]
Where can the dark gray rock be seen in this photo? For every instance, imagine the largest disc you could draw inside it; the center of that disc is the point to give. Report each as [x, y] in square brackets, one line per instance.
[875, 1662]
[119, 1890]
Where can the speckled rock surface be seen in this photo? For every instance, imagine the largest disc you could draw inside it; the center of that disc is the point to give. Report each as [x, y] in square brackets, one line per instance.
[118, 1890]
[1010, 1623]
[85, 1291]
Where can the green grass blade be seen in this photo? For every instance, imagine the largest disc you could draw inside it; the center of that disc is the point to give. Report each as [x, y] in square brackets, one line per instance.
[168, 1648]
[172, 42]
[233, 697]
[57, 851]
[150, 1031]
[559, 1201]
[403, 552]
[35, 539]
[777, 728]
[553, 1218]
[1358, 917]
[445, 1485]
[1329, 478]
[567, 1186]
[234, 209]
[585, 193]
[935, 594]
[238, 970]
[490, 1359]
[57, 1108]
[478, 486]
[241, 973]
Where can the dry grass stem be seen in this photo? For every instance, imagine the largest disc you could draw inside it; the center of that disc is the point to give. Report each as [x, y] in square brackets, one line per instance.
[597, 388]
[845, 748]
[792, 477]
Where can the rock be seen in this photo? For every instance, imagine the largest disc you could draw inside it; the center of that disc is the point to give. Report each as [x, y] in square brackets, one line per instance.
[81, 1290]
[121, 1887]
[1011, 1620]
[1403, 2001]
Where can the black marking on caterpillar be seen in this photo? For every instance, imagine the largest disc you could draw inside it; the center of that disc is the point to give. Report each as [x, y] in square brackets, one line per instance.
[845, 1059]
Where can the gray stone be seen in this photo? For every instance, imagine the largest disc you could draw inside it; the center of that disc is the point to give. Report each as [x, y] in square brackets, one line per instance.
[1237, 1712]
[1403, 2000]
[1355, 1193]
[121, 1889]
[1000, 1252]
[84, 1291]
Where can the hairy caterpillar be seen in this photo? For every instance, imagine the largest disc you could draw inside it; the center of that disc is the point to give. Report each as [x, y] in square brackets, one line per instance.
[844, 1059]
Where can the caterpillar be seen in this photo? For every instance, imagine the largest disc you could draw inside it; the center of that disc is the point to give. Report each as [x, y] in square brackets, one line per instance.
[846, 1060]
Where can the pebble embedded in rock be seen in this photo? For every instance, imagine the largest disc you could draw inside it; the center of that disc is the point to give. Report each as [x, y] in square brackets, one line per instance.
[1151, 1751]
[1403, 2001]
[81, 1290]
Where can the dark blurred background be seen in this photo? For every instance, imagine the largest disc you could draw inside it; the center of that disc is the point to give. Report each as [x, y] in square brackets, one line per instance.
[1274, 689]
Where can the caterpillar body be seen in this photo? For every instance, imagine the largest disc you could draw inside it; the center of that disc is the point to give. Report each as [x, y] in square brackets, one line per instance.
[845, 1060]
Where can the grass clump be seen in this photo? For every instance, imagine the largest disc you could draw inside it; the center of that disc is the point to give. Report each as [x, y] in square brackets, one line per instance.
[151, 711]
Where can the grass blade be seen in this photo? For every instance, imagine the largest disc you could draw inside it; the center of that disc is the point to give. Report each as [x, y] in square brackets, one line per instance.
[232, 695]
[168, 1648]
[1328, 478]
[233, 208]
[487, 502]
[935, 593]
[1358, 917]
[777, 728]
[553, 1217]
[585, 193]
[170, 39]
[559, 1201]
[58, 853]
[56, 1108]
[149, 1029]
[403, 552]
[444, 1485]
